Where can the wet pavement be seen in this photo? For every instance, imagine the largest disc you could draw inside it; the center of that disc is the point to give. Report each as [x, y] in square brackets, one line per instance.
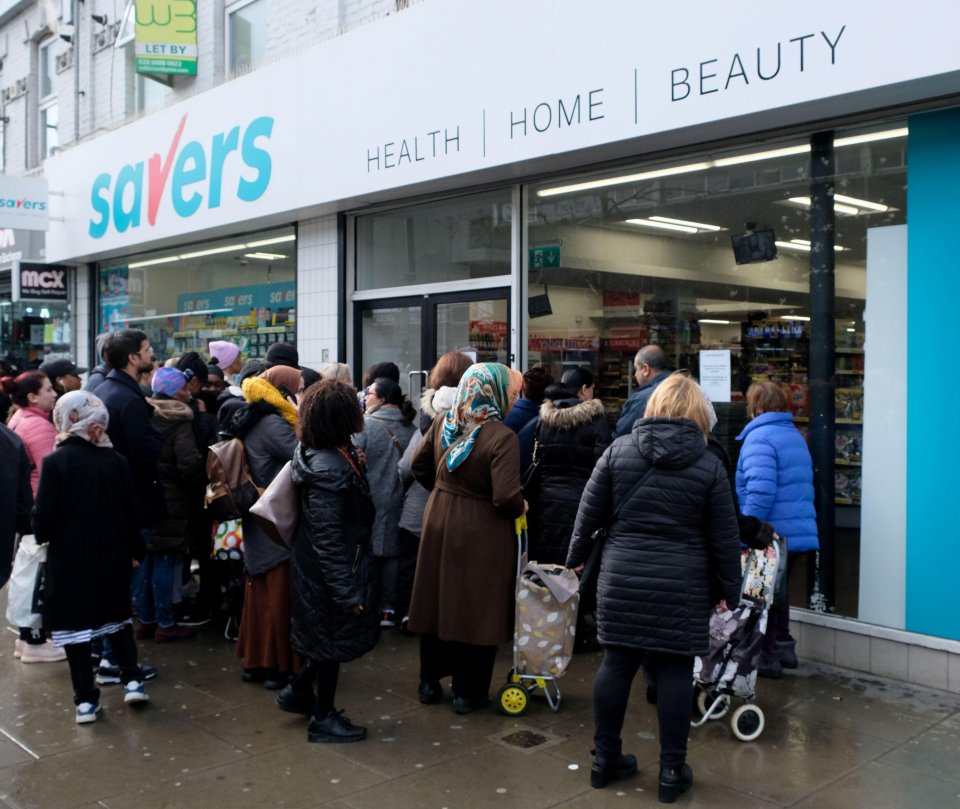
[833, 738]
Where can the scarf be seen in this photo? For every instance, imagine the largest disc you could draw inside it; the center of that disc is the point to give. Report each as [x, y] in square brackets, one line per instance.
[76, 412]
[259, 389]
[484, 394]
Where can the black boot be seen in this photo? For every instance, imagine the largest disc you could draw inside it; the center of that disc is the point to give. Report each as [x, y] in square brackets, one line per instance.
[605, 770]
[674, 781]
[334, 728]
[768, 665]
[291, 701]
[786, 651]
[464, 705]
[429, 692]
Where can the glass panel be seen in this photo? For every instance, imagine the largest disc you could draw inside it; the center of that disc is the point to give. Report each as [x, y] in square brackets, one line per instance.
[32, 332]
[479, 329]
[646, 255]
[392, 334]
[48, 70]
[448, 240]
[248, 35]
[241, 289]
[49, 136]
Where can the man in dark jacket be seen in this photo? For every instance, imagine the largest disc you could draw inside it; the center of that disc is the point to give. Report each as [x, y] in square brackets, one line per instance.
[99, 373]
[650, 369]
[16, 497]
[131, 431]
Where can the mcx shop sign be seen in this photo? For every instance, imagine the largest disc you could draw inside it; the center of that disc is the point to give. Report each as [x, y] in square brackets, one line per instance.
[235, 163]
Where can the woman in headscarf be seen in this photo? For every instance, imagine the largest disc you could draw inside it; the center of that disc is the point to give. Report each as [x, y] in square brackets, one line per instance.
[267, 426]
[86, 513]
[462, 601]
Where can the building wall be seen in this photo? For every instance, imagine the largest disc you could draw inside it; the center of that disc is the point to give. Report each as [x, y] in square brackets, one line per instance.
[317, 284]
[108, 83]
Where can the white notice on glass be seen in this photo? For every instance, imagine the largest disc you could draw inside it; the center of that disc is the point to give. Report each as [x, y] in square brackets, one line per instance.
[715, 374]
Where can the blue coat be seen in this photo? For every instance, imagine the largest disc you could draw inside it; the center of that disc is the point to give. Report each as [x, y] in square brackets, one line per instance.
[636, 405]
[775, 479]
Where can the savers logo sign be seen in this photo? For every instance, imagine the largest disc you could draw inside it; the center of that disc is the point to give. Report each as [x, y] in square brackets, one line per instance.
[195, 174]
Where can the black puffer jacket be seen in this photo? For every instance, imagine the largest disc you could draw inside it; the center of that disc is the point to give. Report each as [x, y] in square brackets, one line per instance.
[333, 570]
[181, 472]
[673, 550]
[571, 436]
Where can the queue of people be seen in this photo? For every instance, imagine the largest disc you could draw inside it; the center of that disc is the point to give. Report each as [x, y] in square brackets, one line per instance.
[405, 518]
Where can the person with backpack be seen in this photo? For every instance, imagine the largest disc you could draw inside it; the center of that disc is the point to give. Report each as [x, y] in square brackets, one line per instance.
[388, 425]
[267, 427]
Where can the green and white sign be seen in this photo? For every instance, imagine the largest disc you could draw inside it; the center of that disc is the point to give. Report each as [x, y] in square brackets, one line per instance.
[166, 35]
[545, 257]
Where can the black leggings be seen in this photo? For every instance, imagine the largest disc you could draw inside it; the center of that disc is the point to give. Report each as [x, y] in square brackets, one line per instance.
[673, 677]
[470, 665]
[81, 671]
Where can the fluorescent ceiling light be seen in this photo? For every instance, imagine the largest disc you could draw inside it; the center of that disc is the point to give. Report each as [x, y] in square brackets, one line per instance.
[755, 157]
[719, 162]
[851, 330]
[647, 223]
[803, 244]
[861, 203]
[268, 256]
[229, 248]
[717, 322]
[697, 225]
[150, 262]
[838, 207]
[276, 240]
[870, 137]
[794, 317]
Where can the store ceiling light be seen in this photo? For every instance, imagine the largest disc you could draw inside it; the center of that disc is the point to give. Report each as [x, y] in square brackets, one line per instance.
[150, 262]
[649, 223]
[804, 245]
[275, 240]
[714, 322]
[861, 203]
[804, 318]
[837, 206]
[720, 162]
[697, 225]
[265, 256]
[227, 248]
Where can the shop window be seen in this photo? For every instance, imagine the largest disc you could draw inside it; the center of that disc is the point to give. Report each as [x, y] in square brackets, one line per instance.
[645, 255]
[247, 34]
[240, 289]
[449, 240]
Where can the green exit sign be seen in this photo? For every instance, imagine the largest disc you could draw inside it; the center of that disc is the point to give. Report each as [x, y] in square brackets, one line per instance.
[545, 257]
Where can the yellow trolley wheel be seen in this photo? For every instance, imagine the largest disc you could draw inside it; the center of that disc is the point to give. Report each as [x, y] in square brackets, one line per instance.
[513, 700]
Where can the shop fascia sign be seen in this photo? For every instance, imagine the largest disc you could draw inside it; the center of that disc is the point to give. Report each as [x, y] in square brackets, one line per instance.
[39, 282]
[23, 203]
[191, 174]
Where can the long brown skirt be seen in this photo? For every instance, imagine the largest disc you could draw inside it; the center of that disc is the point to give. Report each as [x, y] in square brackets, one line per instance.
[264, 639]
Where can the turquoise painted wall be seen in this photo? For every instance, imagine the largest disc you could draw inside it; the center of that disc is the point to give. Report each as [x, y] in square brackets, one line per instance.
[933, 393]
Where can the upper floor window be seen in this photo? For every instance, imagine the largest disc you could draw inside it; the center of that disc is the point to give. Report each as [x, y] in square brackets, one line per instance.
[47, 95]
[246, 34]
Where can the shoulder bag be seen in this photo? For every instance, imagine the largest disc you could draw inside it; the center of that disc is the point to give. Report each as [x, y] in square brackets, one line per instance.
[278, 509]
[591, 570]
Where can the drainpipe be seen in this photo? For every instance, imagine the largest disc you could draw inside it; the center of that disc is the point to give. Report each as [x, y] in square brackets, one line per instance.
[822, 343]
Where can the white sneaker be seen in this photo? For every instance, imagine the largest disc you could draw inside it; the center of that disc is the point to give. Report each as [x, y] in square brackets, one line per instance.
[134, 692]
[42, 653]
[17, 648]
[87, 712]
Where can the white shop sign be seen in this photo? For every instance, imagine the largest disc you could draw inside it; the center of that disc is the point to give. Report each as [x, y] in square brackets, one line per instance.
[449, 88]
[23, 203]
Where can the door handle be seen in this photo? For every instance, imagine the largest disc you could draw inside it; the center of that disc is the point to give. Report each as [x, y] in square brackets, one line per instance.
[415, 399]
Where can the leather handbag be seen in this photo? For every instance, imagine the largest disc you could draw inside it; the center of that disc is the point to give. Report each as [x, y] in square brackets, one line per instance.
[278, 509]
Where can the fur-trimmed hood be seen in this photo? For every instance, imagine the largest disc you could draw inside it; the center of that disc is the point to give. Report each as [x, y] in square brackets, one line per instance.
[437, 400]
[566, 414]
[171, 410]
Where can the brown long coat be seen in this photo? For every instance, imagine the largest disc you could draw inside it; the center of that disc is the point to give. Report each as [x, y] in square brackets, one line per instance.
[464, 585]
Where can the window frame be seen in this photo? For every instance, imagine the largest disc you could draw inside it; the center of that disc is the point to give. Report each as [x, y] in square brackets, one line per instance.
[45, 50]
[228, 12]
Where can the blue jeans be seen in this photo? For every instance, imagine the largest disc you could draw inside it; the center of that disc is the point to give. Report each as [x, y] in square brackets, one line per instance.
[155, 588]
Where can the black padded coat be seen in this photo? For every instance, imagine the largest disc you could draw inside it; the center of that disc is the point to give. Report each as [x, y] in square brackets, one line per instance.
[333, 570]
[673, 550]
[571, 436]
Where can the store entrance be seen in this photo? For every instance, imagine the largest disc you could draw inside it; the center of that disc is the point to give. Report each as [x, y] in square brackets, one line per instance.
[414, 331]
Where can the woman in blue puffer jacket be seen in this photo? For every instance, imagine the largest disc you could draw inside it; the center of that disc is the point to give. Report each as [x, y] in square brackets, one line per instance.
[775, 484]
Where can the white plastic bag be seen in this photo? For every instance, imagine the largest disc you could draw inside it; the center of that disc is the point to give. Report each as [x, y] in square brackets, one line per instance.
[26, 563]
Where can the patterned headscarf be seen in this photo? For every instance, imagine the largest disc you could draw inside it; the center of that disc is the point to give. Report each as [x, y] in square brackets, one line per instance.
[76, 412]
[484, 394]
